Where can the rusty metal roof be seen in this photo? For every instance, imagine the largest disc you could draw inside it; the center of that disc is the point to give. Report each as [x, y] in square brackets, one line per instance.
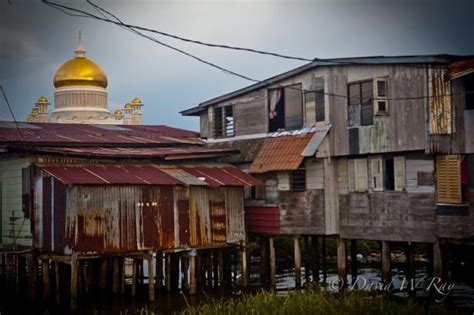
[149, 174]
[281, 153]
[460, 69]
[51, 134]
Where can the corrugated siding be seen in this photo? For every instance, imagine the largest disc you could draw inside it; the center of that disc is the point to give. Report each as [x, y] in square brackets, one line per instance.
[440, 111]
[262, 219]
[199, 217]
[217, 209]
[14, 224]
[234, 199]
[182, 206]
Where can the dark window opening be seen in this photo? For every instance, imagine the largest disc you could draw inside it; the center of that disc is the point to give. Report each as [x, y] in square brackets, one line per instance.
[469, 91]
[285, 108]
[381, 88]
[319, 99]
[360, 103]
[298, 179]
[389, 176]
[382, 106]
[223, 122]
[465, 179]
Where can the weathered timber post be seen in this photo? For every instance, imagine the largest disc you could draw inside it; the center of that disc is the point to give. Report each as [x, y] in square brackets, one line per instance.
[192, 275]
[184, 272]
[315, 258]
[159, 270]
[85, 277]
[215, 259]
[115, 275]
[57, 282]
[198, 268]
[324, 253]
[353, 261]
[122, 275]
[33, 273]
[341, 260]
[272, 258]
[244, 265]
[220, 260]
[437, 260]
[103, 273]
[227, 271]
[385, 257]
[168, 272]
[151, 278]
[74, 275]
[209, 268]
[46, 285]
[263, 261]
[306, 259]
[296, 244]
[134, 278]
[410, 266]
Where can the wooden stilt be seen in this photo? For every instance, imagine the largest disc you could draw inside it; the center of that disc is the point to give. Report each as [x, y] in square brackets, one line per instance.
[385, 257]
[184, 272]
[57, 282]
[315, 258]
[209, 268]
[227, 266]
[437, 260]
[33, 273]
[85, 276]
[215, 269]
[198, 268]
[220, 261]
[263, 261]
[103, 273]
[168, 272]
[324, 257]
[134, 278]
[74, 276]
[271, 250]
[244, 266]
[341, 260]
[306, 260]
[151, 279]
[353, 260]
[122, 275]
[192, 275]
[174, 271]
[159, 270]
[297, 257]
[46, 285]
[410, 266]
[116, 275]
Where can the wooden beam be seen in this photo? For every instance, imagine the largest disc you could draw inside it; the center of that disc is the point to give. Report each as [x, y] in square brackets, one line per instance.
[57, 282]
[315, 258]
[353, 260]
[134, 278]
[74, 275]
[103, 274]
[341, 260]
[263, 261]
[116, 275]
[244, 266]
[297, 257]
[437, 260]
[151, 279]
[385, 257]
[272, 257]
[192, 275]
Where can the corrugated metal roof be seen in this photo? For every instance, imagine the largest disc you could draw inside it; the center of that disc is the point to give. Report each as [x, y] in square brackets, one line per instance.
[123, 152]
[281, 153]
[149, 174]
[51, 134]
[460, 69]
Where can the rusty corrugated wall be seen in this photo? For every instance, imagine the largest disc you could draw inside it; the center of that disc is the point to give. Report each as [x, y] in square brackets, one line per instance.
[199, 219]
[440, 108]
[217, 208]
[234, 199]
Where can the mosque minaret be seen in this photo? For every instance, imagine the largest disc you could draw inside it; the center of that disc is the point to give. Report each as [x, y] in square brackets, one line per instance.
[81, 96]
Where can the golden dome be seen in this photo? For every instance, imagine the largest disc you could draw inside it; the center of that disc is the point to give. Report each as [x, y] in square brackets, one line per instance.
[136, 100]
[42, 100]
[80, 71]
[118, 113]
[34, 112]
[29, 119]
[128, 106]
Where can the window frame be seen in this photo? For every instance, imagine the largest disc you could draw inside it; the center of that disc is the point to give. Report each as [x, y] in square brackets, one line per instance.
[285, 111]
[377, 99]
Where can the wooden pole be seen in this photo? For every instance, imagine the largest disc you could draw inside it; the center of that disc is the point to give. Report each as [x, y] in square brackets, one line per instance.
[324, 254]
[315, 258]
[57, 282]
[263, 261]
[307, 259]
[215, 258]
[74, 268]
[192, 275]
[103, 273]
[244, 266]
[122, 275]
[151, 279]
[116, 275]
[184, 272]
[134, 278]
[46, 285]
[353, 260]
[168, 272]
[385, 257]
[159, 270]
[296, 244]
[437, 260]
[209, 268]
[33, 273]
[271, 250]
[198, 269]
[220, 258]
[227, 266]
[341, 260]
[410, 266]
[85, 276]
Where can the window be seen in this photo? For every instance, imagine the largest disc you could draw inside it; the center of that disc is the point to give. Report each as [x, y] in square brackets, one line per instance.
[387, 174]
[223, 122]
[298, 179]
[469, 91]
[366, 98]
[314, 105]
[448, 178]
[376, 168]
[357, 170]
[285, 108]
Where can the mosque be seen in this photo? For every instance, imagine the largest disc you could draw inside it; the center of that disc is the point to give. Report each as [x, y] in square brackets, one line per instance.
[81, 96]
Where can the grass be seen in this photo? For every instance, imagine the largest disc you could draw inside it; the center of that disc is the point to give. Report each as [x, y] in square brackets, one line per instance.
[314, 301]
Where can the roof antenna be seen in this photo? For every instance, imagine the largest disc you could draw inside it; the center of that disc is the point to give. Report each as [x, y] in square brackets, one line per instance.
[80, 50]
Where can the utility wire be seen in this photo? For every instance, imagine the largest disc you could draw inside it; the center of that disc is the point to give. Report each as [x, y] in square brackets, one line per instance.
[132, 29]
[11, 112]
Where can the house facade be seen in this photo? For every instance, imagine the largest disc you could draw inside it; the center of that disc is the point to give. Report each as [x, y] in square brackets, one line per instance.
[375, 148]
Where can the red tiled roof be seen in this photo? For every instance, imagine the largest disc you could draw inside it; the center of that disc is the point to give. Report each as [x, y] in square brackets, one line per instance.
[280, 153]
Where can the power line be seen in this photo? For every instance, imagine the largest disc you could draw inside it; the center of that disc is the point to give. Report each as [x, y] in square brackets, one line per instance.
[132, 29]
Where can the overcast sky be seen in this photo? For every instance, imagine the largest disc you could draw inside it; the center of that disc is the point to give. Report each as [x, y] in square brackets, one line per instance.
[36, 39]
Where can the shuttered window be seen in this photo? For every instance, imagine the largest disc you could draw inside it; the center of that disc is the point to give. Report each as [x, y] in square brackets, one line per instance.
[351, 174]
[399, 165]
[358, 177]
[448, 176]
[376, 169]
